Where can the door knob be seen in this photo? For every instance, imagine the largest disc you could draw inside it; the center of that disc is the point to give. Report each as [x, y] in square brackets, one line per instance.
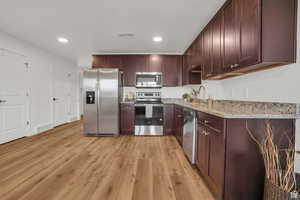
[55, 99]
[3, 101]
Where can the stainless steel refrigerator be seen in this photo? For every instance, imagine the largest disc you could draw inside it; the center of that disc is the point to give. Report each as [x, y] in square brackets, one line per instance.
[102, 93]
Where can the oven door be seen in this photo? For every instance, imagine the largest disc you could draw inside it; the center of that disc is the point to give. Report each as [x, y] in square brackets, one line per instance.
[149, 119]
[148, 80]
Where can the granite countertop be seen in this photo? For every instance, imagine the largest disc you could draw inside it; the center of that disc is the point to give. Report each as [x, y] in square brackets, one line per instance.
[238, 109]
[242, 109]
[127, 101]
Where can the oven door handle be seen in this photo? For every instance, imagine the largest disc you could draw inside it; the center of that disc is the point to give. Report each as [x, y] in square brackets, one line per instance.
[144, 105]
[139, 105]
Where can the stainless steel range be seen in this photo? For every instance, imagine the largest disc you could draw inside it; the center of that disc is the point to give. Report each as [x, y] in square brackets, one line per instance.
[148, 114]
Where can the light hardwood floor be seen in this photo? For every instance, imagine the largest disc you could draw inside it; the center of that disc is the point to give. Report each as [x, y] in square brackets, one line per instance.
[64, 164]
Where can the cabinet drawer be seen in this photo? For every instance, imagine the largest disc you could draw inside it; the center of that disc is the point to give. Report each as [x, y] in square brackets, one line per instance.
[210, 121]
[126, 106]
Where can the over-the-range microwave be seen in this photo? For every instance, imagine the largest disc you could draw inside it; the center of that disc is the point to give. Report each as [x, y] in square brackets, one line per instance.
[148, 80]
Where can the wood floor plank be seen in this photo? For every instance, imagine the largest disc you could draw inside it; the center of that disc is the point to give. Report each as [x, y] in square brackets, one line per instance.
[63, 164]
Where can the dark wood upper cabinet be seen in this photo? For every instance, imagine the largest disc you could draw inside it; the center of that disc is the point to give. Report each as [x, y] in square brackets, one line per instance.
[133, 64]
[248, 32]
[169, 65]
[189, 67]
[99, 61]
[207, 52]
[108, 61]
[246, 36]
[217, 36]
[129, 70]
[172, 70]
[156, 63]
[114, 61]
[185, 68]
[229, 43]
[141, 63]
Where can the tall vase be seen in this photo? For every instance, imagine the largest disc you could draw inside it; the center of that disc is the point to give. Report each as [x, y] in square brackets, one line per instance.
[273, 192]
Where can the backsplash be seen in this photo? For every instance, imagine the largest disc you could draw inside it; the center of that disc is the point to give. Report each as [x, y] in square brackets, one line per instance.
[167, 92]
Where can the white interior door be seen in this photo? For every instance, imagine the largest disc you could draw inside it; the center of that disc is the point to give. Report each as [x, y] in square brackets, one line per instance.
[61, 93]
[14, 102]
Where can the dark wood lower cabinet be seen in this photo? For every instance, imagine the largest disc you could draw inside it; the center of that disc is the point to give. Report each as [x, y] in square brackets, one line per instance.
[178, 114]
[127, 119]
[229, 160]
[169, 125]
[202, 149]
[211, 151]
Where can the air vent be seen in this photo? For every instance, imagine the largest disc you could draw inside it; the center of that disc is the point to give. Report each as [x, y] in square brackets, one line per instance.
[126, 34]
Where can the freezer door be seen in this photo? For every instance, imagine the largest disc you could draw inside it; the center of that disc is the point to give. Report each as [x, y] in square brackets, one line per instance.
[108, 117]
[90, 102]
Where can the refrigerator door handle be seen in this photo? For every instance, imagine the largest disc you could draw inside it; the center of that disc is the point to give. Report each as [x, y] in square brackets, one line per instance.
[98, 104]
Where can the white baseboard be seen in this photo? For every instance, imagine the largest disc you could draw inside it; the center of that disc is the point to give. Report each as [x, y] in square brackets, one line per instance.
[43, 128]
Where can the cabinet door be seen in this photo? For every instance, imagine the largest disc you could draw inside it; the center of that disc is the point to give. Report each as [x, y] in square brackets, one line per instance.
[229, 37]
[179, 124]
[169, 128]
[131, 65]
[156, 63]
[207, 48]
[114, 61]
[217, 33]
[248, 32]
[107, 61]
[141, 63]
[127, 119]
[99, 61]
[129, 69]
[216, 161]
[185, 72]
[202, 149]
[171, 70]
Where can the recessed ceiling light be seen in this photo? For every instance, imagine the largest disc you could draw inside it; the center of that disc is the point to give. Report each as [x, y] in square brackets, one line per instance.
[157, 39]
[126, 34]
[62, 40]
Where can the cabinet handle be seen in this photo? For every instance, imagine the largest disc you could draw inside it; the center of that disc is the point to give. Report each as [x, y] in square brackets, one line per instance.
[179, 116]
[3, 101]
[234, 66]
[208, 75]
[206, 122]
[205, 133]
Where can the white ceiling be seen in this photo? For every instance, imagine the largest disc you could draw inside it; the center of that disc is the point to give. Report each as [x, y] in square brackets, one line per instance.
[92, 26]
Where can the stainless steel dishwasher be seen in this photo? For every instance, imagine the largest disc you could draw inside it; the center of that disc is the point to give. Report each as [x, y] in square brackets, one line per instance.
[189, 134]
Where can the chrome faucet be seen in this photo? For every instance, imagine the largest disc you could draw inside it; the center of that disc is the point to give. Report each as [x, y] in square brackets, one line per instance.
[204, 90]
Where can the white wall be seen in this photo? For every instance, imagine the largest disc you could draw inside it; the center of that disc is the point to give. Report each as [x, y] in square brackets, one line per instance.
[274, 85]
[41, 66]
